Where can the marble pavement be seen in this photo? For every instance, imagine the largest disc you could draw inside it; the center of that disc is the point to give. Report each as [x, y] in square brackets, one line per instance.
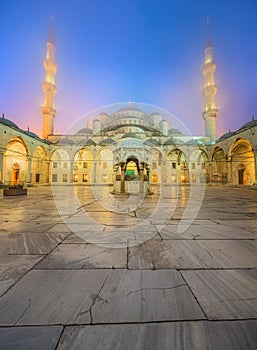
[82, 269]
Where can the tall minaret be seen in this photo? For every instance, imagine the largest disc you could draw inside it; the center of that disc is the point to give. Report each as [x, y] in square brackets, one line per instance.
[49, 88]
[210, 89]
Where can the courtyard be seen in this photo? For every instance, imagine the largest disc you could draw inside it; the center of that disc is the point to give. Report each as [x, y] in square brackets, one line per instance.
[83, 269]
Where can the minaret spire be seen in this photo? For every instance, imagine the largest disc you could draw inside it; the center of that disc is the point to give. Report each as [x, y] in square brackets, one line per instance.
[51, 32]
[210, 89]
[47, 109]
[208, 36]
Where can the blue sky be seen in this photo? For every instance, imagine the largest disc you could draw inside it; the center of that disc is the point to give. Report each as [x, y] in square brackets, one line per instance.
[119, 50]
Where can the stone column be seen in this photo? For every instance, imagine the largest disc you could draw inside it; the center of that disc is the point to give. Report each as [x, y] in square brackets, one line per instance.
[255, 168]
[141, 179]
[94, 172]
[1, 166]
[29, 171]
[229, 169]
[164, 172]
[71, 172]
[210, 172]
[122, 179]
[115, 169]
[47, 171]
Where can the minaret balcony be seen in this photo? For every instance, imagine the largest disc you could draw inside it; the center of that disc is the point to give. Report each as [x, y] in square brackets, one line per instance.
[49, 88]
[47, 110]
[210, 113]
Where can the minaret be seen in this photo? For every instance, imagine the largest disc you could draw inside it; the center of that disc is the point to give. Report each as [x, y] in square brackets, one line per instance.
[48, 86]
[209, 91]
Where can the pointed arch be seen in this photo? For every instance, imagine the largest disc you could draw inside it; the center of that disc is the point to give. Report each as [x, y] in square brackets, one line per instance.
[242, 159]
[104, 166]
[83, 166]
[40, 166]
[16, 161]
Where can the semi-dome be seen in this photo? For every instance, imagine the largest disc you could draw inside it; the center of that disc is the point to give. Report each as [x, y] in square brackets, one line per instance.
[129, 108]
[132, 143]
[8, 122]
[130, 135]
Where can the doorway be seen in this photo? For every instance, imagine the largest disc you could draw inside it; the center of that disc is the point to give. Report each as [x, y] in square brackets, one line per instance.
[241, 176]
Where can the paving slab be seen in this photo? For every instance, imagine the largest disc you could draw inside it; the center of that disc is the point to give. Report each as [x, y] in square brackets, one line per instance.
[12, 267]
[198, 335]
[145, 296]
[225, 294]
[27, 338]
[209, 231]
[232, 253]
[174, 284]
[52, 297]
[84, 256]
[28, 242]
[192, 254]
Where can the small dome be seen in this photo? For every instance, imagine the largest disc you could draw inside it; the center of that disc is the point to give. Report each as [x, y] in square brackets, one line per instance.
[227, 135]
[170, 142]
[174, 132]
[191, 142]
[152, 142]
[85, 131]
[249, 124]
[32, 134]
[108, 141]
[66, 141]
[8, 122]
[90, 142]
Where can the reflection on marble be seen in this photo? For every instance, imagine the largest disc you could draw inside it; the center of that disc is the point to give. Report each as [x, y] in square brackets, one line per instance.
[210, 231]
[26, 338]
[195, 290]
[199, 335]
[29, 243]
[192, 254]
[84, 256]
[12, 267]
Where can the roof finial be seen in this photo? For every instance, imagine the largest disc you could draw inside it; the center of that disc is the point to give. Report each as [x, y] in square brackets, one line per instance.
[208, 37]
[51, 32]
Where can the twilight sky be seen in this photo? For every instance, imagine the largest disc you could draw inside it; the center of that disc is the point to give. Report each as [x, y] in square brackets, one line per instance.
[118, 50]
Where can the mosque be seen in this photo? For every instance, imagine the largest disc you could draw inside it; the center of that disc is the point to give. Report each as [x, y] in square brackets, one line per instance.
[128, 149]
